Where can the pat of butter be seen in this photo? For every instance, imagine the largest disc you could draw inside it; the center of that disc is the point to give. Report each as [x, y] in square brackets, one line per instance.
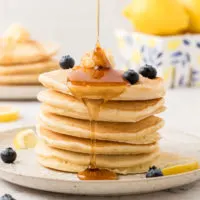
[16, 33]
[88, 60]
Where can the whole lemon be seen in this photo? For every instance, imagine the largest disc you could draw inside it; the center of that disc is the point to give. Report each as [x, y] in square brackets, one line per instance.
[159, 17]
[193, 9]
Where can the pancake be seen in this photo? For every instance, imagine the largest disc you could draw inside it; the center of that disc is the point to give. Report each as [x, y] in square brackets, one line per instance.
[74, 162]
[117, 111]
[26, 52]
[142, 132]
[65, 166]
[102, 161]
[81, 145]
[145, 89]
[28, 79]
[33, 68]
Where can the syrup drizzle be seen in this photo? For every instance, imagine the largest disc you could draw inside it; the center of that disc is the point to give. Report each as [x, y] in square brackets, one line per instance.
[110, 85]
[98, 22]
[93, 110]
[93, 172]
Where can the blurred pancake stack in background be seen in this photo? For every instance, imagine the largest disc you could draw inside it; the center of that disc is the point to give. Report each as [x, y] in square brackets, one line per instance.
[22, 59]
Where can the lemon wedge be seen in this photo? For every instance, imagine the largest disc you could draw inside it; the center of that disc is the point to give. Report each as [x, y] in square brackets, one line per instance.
[177, 169]
[8, 113]
[25, 139]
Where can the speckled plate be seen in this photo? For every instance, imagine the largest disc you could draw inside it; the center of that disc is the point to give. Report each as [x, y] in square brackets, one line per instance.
[28, 173]
[28, 92]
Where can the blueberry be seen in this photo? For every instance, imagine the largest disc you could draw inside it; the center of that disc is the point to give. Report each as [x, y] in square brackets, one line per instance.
[153, 167]
[154, 172]
[8, 155]
[7, 197]
[131, 76]
[148, 71]
[67, 62]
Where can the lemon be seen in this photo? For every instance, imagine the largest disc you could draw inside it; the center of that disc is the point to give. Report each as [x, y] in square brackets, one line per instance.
[158, 17]
[8, 113]
[177, 169]
[25, 139]
[193, 8]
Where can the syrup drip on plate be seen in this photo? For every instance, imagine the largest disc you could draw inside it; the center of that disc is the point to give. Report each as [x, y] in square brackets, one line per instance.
[103, 82]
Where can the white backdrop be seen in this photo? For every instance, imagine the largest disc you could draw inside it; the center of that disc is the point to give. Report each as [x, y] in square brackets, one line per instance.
[72, 23]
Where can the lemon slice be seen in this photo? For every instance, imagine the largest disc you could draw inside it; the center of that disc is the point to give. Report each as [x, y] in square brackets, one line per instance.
[8, 113]
[25, 139]
[177, 169]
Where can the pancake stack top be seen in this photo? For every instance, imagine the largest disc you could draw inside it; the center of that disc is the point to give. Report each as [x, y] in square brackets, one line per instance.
[22, 60]
[123, 125]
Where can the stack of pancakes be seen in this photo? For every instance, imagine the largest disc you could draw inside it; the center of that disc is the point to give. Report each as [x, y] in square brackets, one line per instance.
[22, 60]
[126, 129]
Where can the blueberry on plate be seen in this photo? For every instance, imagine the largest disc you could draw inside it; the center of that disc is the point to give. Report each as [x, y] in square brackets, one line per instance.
[131, 76]
[154, 172]
[67, 62]
[7, 197]
[148, 71]
[8, 155]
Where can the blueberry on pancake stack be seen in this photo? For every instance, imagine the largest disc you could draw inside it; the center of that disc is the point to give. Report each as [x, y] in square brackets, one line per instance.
[22, 59]
[95, 115]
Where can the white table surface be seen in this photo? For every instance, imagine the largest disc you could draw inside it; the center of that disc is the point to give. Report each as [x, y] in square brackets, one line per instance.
[183, 113]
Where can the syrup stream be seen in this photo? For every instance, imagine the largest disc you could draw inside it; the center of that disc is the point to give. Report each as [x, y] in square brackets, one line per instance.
[98, 21]
[92, 172]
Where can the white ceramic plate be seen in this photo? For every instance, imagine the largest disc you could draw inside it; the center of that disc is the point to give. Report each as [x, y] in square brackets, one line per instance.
[19, 92]
[26, 172]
